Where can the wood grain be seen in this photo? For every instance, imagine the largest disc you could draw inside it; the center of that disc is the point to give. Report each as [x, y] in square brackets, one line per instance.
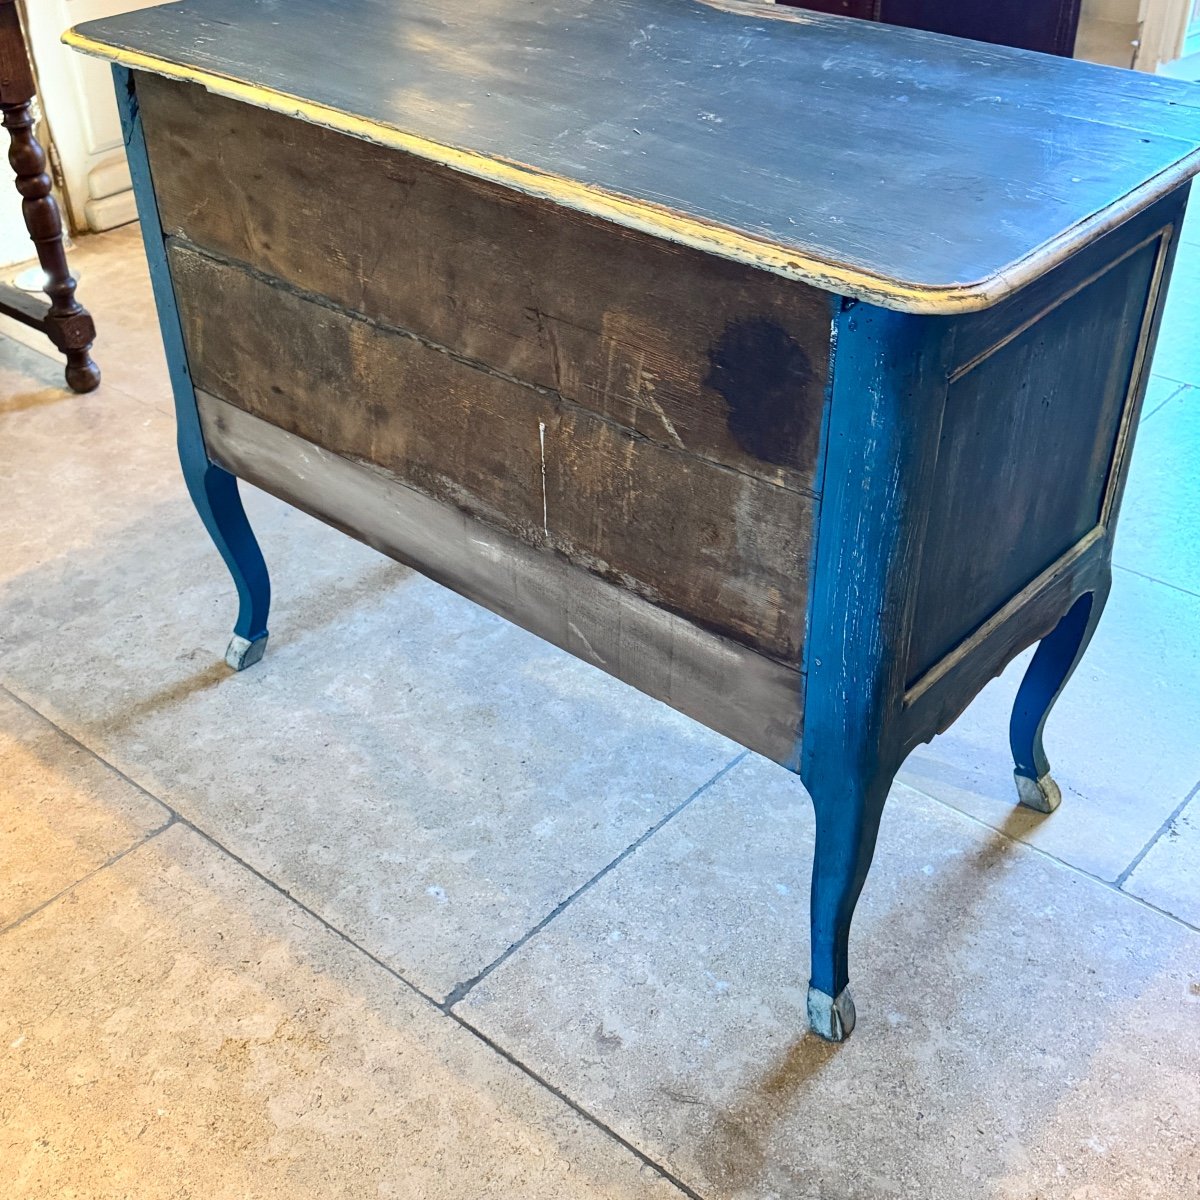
[923, 172]
[723, 548]
[693, 352]
[750, 698]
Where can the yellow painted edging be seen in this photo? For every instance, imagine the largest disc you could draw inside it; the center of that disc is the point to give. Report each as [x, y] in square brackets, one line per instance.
[653, 219]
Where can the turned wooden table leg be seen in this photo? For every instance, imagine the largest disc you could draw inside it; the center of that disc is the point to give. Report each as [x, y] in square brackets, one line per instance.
[67, 323]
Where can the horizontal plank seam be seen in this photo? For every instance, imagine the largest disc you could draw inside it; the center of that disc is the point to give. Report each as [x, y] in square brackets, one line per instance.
[635, 587]
[323, 301]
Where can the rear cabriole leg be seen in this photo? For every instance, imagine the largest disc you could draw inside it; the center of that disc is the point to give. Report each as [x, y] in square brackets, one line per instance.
[1054, 662]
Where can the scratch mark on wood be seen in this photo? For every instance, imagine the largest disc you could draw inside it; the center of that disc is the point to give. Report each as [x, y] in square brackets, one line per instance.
[545, 505]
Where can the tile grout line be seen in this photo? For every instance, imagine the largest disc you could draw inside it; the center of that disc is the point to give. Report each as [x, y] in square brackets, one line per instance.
[459, 991]
[1163, 403]
[1183, 383]
[497, 1049]
[1107, 884]
[1123, 878]
[1161, 582]
[178, 819]
[116, 858]
[133, 783]
[575, 1106]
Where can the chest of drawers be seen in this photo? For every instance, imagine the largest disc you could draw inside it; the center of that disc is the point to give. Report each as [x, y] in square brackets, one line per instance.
[785, 367]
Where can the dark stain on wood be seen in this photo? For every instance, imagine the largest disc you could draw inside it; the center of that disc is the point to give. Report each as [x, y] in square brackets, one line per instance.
[616, 321]
[765, 376]
[723, 548]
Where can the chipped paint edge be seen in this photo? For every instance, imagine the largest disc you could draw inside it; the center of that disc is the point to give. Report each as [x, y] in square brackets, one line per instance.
[654, 219]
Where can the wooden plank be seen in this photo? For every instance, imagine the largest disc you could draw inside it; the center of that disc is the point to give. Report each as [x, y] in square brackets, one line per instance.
[752, 699]
[696, 353]
[723, 548]
[846, 154]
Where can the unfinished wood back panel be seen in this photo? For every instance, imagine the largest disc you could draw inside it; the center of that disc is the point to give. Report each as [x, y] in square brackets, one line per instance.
[727, 550]
[692, 352]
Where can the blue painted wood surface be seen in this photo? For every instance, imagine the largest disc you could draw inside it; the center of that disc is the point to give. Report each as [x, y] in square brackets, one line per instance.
[885, 526]
[935, 169]
[214, 492]
[893, 417]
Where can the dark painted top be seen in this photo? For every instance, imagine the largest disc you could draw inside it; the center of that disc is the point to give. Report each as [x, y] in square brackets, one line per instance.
[923, 172]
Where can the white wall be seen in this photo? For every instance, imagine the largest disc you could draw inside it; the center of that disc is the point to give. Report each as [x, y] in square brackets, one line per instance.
[77, 96]
[15, 245]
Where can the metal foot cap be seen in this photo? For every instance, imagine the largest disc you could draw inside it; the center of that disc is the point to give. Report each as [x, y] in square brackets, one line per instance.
[1042, 795]
[831, 1018]
[242, 653]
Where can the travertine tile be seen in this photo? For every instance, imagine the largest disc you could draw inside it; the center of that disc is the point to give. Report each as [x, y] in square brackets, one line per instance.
[176, 1028]
[429, 778]
[1023, 1030]
[1159, 533]
[1177, 355]
[1121, 741]
[63, 813]
[1159, 391]
[114, 285]
[1169, 875]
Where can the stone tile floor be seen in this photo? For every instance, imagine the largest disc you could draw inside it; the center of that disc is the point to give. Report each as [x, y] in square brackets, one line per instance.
[420, 907]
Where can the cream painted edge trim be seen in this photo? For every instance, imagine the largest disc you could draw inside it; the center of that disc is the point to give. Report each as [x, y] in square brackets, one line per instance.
[661, 222]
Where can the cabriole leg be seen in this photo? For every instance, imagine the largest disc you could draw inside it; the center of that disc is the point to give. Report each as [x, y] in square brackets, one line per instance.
[1057, 656]
[215, 495]
[213, 490]
[848, 811]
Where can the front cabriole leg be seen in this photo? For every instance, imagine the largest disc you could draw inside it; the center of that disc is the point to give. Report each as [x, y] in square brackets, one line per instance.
[849, 804]
[880, 437]
[1054, 662]
[213, 490]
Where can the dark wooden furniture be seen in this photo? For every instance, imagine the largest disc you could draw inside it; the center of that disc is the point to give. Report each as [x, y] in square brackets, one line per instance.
[63, 320]
[1046, 25]
[701, 340]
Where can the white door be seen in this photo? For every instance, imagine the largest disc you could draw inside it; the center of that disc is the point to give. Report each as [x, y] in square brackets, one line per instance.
[1165, 25]
[77, 98]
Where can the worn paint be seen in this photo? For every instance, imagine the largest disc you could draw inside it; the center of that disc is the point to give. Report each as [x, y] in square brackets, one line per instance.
[726, 686]
[214, 492]
[1068, 137]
